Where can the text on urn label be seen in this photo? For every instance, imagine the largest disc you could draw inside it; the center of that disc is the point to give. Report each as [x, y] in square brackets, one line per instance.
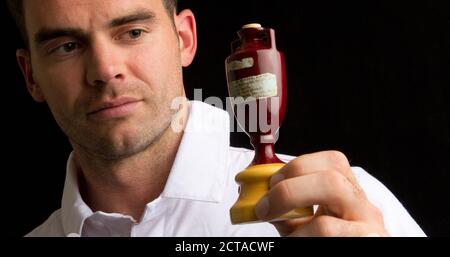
[260, 86]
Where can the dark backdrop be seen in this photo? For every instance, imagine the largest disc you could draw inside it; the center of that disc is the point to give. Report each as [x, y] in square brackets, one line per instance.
[369, 78]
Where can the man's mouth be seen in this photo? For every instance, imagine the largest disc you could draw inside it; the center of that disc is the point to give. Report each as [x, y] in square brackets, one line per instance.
[116, 108]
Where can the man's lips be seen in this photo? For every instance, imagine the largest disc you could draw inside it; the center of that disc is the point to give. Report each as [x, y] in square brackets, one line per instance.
[115, 108]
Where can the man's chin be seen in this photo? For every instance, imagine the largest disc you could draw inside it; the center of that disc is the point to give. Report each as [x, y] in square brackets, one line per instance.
[112, 146]
[119, 153]
[120, 141]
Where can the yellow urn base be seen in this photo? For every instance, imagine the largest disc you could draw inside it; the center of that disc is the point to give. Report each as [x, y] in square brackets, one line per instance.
[254, 184]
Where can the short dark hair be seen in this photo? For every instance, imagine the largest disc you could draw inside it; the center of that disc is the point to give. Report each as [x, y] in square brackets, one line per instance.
[17, 12]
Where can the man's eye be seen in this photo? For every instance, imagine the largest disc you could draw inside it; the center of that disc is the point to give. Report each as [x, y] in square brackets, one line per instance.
[135, 33]
[132, 35]
[66, 48]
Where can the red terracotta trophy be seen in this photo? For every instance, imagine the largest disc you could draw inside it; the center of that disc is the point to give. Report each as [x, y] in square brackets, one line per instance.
[256, 77]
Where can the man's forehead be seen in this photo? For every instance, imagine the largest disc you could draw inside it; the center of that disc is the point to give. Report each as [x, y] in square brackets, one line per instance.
[68, 13]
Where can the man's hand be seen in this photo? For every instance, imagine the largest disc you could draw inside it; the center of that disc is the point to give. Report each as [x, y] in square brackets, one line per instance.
[323, 179]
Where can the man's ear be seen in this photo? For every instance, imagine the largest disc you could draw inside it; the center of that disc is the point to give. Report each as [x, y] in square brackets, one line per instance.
[187, 34]
[23, 58]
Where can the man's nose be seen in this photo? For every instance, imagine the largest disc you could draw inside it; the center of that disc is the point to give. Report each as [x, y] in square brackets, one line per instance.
[104, 65]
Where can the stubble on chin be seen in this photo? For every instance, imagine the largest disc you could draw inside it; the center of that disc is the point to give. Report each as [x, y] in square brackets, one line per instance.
[123, 143]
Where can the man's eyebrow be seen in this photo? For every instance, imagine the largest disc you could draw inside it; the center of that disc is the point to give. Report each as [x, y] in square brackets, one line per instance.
[46, 34]
[138, 16]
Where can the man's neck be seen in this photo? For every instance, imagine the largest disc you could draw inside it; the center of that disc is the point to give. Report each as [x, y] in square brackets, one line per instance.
[126, 186]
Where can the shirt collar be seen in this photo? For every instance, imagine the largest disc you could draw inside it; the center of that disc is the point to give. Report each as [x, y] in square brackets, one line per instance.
[74, 210]
[198, 173]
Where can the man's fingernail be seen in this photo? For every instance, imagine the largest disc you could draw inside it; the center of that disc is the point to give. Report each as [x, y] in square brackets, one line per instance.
[262, 208]
[275, 179]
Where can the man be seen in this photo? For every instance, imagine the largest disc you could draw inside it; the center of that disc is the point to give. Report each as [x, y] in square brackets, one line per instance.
[110, 72]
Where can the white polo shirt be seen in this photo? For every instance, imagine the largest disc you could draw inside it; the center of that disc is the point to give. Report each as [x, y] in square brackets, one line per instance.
[199, 193]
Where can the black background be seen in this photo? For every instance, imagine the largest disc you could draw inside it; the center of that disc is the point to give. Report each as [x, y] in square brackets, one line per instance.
[368, 78]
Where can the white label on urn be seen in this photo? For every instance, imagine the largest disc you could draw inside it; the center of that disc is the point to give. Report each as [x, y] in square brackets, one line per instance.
[241, 64]
[260, 86]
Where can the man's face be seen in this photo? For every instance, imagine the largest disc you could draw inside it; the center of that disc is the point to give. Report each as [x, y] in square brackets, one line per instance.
[108, 69]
